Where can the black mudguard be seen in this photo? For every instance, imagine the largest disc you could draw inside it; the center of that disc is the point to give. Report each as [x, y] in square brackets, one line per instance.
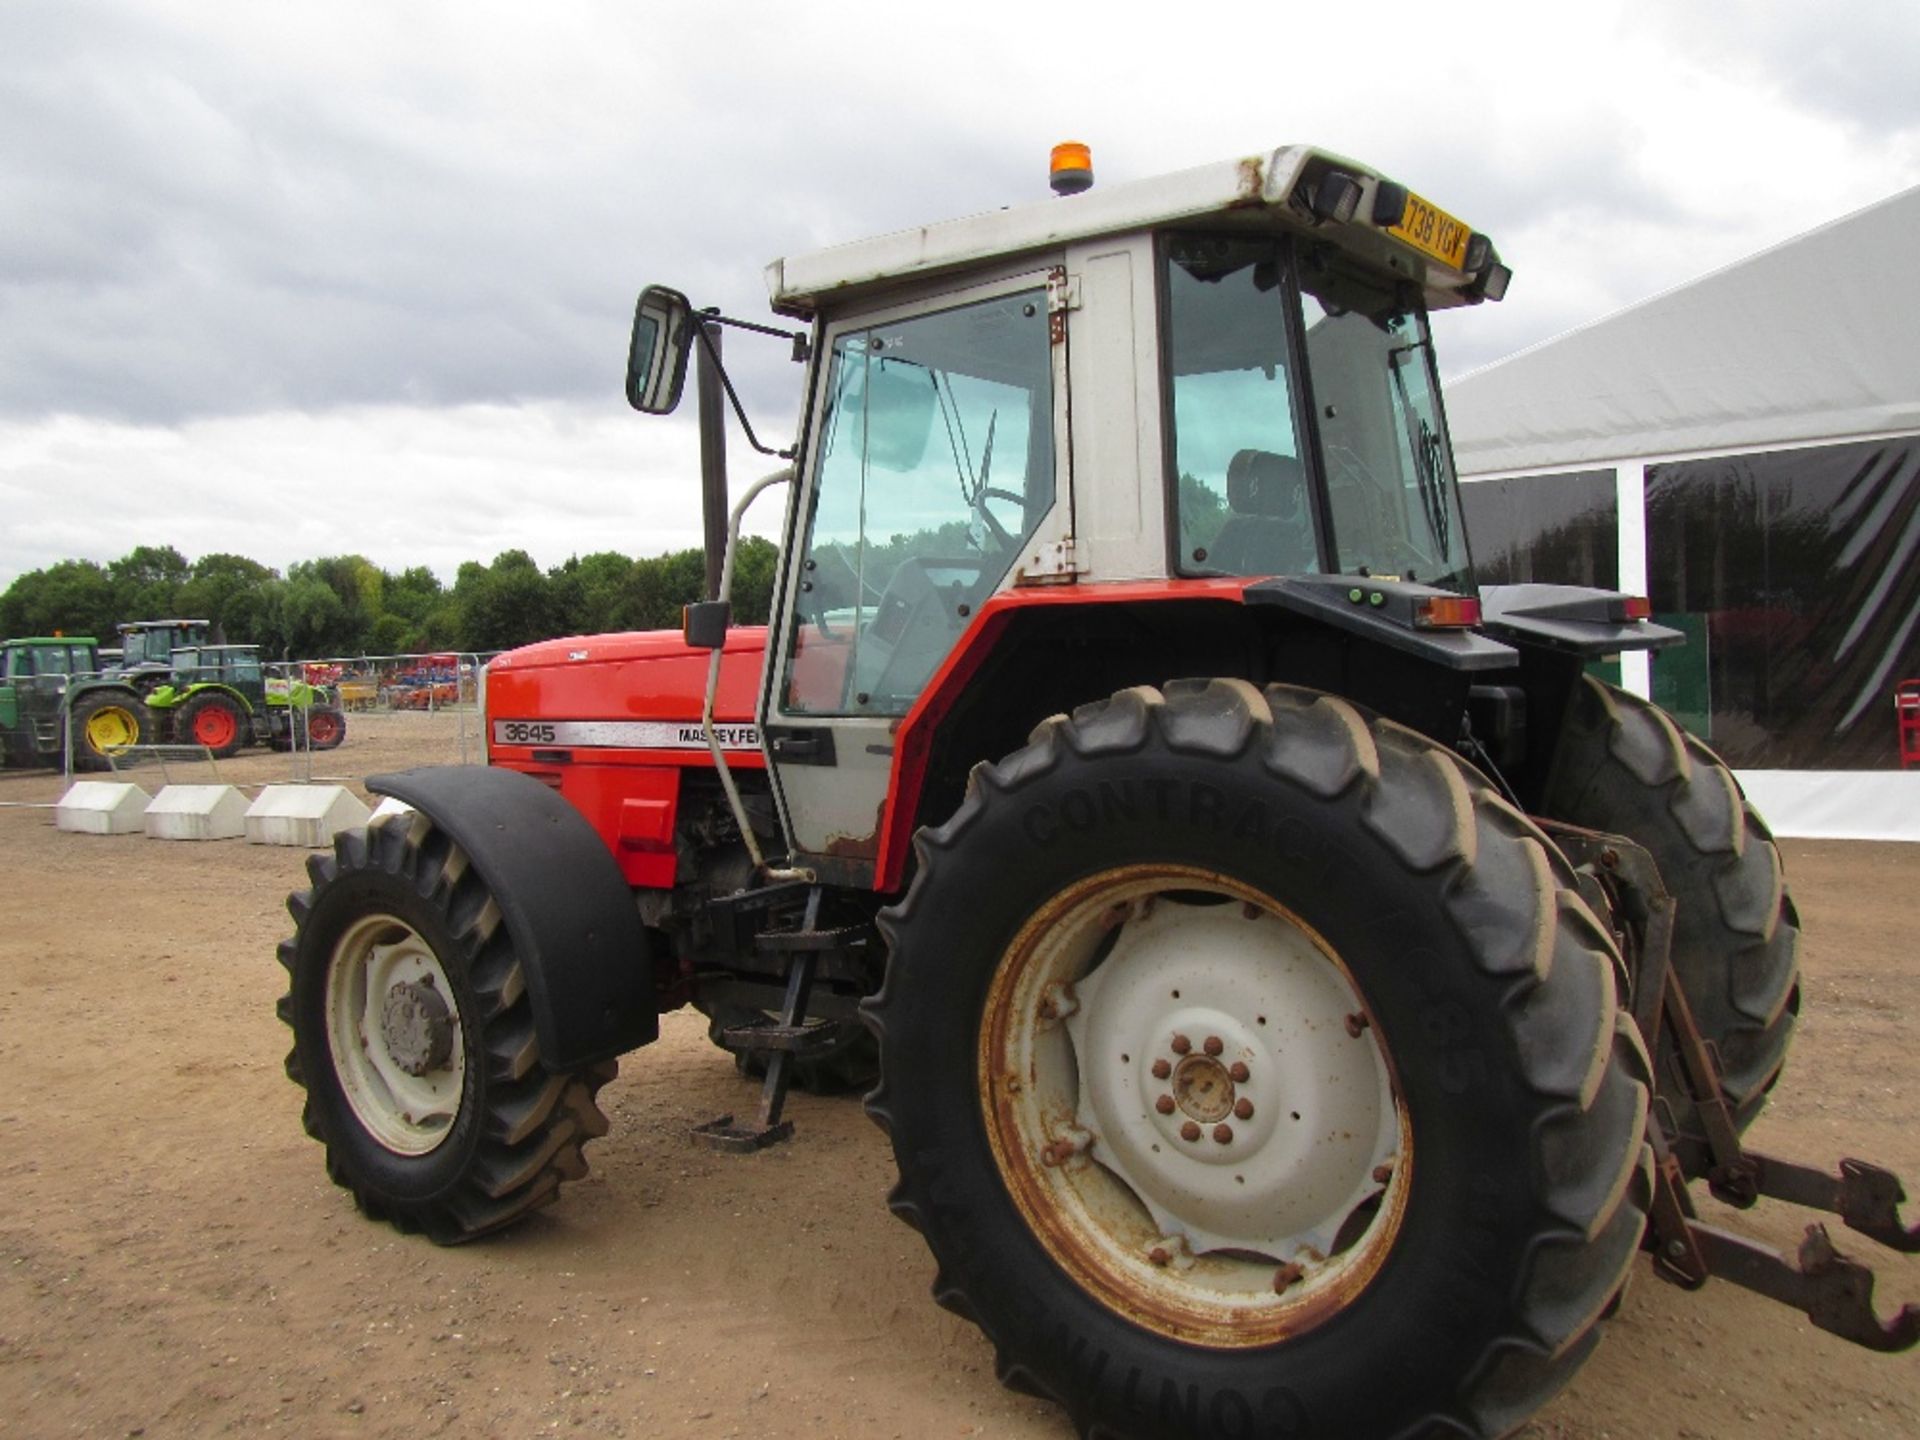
[1569, 618]
[563, 899]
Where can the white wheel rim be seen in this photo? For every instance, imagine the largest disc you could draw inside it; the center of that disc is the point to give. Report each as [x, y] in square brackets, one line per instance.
[1192, 1105]
[382, 1027]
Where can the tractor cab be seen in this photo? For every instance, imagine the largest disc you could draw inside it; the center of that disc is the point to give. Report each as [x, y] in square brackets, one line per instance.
[1217, 387]
[147, 646]
[35, 674]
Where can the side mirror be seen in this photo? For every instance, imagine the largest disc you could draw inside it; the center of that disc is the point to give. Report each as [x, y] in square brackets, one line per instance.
[657, 360]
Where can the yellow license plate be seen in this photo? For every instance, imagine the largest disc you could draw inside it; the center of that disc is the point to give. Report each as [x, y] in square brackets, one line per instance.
[1431, 230]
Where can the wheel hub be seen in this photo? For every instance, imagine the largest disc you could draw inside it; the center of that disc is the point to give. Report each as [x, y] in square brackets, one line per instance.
[394, 1031]
[1203, 1089]
[417, 1026]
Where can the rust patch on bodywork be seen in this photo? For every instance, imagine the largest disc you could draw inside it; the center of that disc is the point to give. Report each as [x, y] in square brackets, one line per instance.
[1251, 186]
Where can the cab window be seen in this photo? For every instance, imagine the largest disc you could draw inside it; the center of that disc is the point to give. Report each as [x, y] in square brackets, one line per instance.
[935, 463]
[1240, 488]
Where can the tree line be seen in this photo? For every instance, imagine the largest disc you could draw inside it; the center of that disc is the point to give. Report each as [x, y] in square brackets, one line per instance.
[347, 605]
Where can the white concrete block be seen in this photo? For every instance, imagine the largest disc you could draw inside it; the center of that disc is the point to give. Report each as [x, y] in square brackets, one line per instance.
[308, 815]
[197, 812]
[389, 808]
[101, 807]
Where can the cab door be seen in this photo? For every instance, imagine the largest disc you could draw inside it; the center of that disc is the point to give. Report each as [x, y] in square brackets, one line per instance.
[938, 448]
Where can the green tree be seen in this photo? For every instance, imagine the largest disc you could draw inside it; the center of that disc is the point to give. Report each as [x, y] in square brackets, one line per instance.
[504, 604]
[224, 589]
[660, 586]
[74, 597]
[754, 565]
[146, 582]
[589, 592]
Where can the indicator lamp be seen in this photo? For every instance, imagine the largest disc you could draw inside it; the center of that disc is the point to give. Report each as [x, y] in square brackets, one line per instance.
[1446, 612]
[1071, 168]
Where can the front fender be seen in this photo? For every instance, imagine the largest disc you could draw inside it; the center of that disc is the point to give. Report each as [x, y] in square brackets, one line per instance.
[562, 898]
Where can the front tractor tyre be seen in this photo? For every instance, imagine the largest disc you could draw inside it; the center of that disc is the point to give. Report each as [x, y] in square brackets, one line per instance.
[414, 1040]
[1626, 768]
[1252, 1067]
[214, 721]
[104, 725]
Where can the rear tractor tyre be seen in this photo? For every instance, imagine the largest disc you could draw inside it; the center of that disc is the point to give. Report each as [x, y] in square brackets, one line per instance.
[414, 1040]
[1253, 1067]
[1625, 767]
[103, 725]
[214, 721]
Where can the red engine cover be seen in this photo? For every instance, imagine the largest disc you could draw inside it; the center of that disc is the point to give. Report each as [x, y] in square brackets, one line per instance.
[611, 722]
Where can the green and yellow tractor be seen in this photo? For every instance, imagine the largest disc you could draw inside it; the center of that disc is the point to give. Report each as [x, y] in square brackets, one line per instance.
[50, 688]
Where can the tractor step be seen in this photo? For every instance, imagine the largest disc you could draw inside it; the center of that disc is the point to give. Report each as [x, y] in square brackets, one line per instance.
[815, 1037]
[790, 1038]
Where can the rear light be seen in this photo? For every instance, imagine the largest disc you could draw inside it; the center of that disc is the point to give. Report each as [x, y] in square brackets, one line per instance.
[1636, 607]
[1446, 612]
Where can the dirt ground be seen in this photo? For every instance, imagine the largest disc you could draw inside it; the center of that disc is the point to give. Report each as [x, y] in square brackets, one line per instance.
[173, 1260]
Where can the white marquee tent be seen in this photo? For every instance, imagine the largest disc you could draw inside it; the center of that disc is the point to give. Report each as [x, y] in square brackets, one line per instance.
[1814, 343]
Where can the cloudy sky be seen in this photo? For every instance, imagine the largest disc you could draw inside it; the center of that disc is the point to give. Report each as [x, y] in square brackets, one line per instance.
[293, 281]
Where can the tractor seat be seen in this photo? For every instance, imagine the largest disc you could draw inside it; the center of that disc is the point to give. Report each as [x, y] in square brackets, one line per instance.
[1268, 530]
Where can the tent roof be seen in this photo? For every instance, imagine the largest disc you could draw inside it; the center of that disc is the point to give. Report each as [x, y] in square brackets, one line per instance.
[1817, 338]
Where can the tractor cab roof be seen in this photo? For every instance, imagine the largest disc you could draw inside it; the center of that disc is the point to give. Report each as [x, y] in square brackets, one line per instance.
[127, 626]
[1297, 189]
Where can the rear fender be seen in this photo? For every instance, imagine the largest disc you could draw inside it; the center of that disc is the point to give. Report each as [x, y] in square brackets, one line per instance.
[562, 898]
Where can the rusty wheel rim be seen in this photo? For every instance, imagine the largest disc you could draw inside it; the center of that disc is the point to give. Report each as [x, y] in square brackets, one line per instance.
[1192, 1106]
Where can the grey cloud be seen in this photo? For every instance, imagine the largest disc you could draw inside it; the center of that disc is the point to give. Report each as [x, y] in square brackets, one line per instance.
[1853, 60]
[207, 232]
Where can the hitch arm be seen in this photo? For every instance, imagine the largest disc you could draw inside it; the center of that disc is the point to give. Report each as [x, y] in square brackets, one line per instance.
[1836, 1293]
[1866, 1197]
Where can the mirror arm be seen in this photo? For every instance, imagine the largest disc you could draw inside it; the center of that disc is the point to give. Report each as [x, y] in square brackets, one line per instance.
[801, 346]
[713, 354]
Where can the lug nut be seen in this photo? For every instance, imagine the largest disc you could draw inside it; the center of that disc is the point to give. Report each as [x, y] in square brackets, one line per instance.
[1181, 1044]
[1190, 1131]
[1158, 1255]
[1164, 1104]
[1161, 1069]
[1355, 1024]
[1382, 1174]
[1214, 1045]
[1286, 1277]
[1238, 1070]
[1223, 1134]
[1243, 1109]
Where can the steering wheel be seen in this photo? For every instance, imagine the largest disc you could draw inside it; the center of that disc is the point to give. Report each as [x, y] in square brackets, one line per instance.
[1002, 537]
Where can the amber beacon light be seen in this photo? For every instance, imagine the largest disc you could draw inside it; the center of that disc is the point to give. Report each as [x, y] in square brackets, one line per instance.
[1071, 169]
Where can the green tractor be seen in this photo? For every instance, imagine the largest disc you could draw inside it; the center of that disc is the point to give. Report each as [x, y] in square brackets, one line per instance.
[220, 698]
[147, 646]
[50, 688]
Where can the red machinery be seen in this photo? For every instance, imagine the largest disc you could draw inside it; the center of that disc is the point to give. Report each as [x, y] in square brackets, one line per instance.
[1906, 717]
